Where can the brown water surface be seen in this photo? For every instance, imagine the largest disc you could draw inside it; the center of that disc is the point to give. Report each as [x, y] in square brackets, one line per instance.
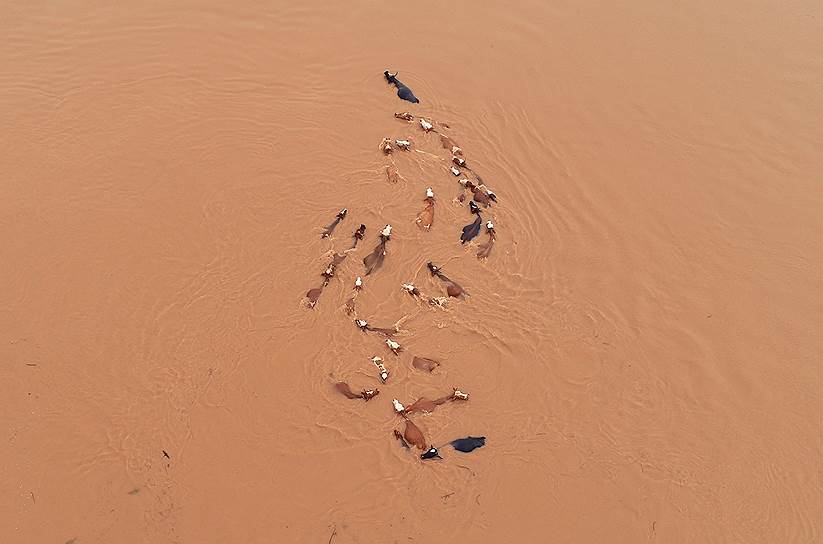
[642, 348]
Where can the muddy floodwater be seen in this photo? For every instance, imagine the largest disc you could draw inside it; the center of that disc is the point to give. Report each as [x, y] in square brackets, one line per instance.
[641, 348]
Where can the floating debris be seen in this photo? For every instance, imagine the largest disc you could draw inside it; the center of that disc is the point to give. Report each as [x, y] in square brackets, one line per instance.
[406, 116]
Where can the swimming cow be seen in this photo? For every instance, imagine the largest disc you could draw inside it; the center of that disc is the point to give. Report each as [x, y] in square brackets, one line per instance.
[374, 260]
[452, 288]
[330, 228]
[402, 91]
[431, 453]
[469, 443]
[472, 229]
